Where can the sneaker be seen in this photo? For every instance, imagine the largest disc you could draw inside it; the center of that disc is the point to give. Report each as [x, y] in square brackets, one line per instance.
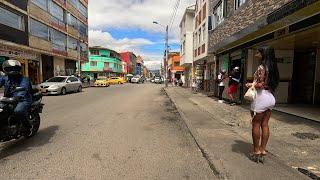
[220, 101]
[232, 104]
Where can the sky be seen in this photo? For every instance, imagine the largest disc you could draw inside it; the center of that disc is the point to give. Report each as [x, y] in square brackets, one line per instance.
[126, 25]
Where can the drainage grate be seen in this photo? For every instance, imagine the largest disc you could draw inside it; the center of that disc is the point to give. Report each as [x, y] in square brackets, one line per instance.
[310, 136]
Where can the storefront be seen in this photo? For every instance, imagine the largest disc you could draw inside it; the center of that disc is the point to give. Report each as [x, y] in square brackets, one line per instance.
[30, 61]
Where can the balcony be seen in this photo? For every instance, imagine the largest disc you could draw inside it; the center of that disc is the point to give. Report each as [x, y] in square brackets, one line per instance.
[62, 3]
[55, 22]
[73, 31]
[39, 43]
[72, 9]
[73, 54]
[39, 13]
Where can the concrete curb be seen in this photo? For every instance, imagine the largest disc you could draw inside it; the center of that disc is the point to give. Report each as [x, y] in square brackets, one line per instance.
[214, 163]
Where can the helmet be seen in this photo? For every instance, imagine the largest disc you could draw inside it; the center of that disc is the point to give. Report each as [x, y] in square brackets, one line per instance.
[11, 67]
[223, 70]
[236, 68]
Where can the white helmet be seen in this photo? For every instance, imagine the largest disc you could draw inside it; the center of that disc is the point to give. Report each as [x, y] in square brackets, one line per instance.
[11, 67]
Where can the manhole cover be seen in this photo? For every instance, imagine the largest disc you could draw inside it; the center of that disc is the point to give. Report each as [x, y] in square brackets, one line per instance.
[310, 136]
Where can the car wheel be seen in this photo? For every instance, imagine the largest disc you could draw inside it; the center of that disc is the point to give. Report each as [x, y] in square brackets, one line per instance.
[80, 89]
[119, 82]
[63, 91]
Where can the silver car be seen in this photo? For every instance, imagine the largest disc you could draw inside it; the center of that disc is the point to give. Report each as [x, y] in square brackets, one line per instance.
[61, 85]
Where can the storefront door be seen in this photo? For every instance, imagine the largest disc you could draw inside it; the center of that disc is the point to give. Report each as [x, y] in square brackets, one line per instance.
[303, 76]
[47, 67]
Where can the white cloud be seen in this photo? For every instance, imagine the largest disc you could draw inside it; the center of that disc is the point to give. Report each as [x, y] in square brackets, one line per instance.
[106, 14]
[135, 14]
[105, 39]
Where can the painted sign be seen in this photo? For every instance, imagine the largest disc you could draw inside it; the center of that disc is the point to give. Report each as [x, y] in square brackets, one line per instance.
[15, 53]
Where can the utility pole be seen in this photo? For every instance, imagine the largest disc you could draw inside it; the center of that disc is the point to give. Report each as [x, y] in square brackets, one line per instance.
[167, 56]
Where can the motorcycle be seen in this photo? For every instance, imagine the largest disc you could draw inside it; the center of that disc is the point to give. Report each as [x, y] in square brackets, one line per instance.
[12, 128]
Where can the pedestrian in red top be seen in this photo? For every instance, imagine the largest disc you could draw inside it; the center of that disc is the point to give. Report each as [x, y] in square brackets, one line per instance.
[266, 80]
[234, 80]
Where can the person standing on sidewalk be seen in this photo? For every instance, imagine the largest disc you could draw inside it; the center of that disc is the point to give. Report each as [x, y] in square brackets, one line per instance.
[221, 79]
[266, 80]
[234, 80]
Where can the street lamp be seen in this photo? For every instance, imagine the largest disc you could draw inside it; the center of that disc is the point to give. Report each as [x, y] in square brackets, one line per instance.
[166, 51]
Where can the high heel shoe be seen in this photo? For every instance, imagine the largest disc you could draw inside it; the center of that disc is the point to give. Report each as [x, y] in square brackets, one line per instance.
[254, 157]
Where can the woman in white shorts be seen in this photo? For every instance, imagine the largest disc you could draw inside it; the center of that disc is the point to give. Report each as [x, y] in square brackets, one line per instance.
[266, 80]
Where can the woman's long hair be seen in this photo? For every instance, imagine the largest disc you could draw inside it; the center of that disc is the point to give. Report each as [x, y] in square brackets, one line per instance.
[270, 62]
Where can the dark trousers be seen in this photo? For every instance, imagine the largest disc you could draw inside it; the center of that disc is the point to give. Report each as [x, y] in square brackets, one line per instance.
[21, 113]
[221, 89]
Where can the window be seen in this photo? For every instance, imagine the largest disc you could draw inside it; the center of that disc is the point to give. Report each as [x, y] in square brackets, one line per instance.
[74, 3]
[94, 52]
[72, 21]
[196, 39]
[199, 36]
[203, 32]
[204, 11]
[11, 19]
[72, 43]
[83, 50]
[58, 40]
[73, 79]
[57, 11]
[43, 4]
[218, 14]
[238, 3]
[83, 29]
[83, 10]
[39, 30]
[93, 63]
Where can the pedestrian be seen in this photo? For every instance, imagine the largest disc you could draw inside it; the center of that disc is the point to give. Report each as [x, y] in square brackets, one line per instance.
[266, 80]
[180, 82]
[234, 80]
[194, 86]
[221, 79]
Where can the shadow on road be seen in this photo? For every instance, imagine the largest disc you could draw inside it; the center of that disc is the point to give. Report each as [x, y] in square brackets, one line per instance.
[242, 147]
[14, 147]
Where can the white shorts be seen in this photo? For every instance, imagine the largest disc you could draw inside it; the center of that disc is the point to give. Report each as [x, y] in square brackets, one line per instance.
[264, 101]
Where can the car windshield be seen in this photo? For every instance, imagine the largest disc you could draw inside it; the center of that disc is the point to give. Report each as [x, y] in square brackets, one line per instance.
[102, 78]
[137, 76]
[56, 79]
[157, 78]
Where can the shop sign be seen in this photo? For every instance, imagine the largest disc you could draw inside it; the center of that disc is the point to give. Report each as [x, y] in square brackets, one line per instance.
[288, 9]
[281, 32]
[14, 53]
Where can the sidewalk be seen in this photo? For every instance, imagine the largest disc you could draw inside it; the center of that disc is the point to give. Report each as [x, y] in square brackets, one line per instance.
[223, 134]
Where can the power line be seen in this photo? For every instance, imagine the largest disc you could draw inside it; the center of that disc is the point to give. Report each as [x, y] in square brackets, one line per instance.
[174, 13]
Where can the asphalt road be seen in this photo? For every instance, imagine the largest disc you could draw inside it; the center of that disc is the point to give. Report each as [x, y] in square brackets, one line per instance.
[126, 131]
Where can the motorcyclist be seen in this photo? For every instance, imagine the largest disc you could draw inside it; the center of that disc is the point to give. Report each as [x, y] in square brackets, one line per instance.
[12, 80]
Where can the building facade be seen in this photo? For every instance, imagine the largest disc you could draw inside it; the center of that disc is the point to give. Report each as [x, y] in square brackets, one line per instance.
[139, 66]
[175, 70]
[130, 58]
[186, 43]
[48, 37]
[291, 27]
[102, 62]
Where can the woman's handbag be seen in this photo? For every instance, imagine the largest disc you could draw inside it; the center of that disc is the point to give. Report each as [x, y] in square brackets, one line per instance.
[251, 94]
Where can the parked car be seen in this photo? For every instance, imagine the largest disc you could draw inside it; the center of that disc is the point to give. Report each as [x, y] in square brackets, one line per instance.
[136, 79]
[158, 80]
[116, 80]
[61, 85]
[102, 82]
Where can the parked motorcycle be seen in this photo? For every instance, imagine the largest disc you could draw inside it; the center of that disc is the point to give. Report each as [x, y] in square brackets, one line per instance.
[11, 128]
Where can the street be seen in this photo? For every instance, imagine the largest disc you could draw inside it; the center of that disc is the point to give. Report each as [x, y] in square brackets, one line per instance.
[122, 132]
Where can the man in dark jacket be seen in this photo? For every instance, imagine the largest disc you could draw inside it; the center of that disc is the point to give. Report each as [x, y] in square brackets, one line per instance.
[11, 81]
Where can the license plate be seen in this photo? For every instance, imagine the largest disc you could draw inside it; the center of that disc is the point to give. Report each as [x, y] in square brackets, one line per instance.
[43, 90]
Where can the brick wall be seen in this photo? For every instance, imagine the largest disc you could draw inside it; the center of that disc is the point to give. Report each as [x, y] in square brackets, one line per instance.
[243, 17]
